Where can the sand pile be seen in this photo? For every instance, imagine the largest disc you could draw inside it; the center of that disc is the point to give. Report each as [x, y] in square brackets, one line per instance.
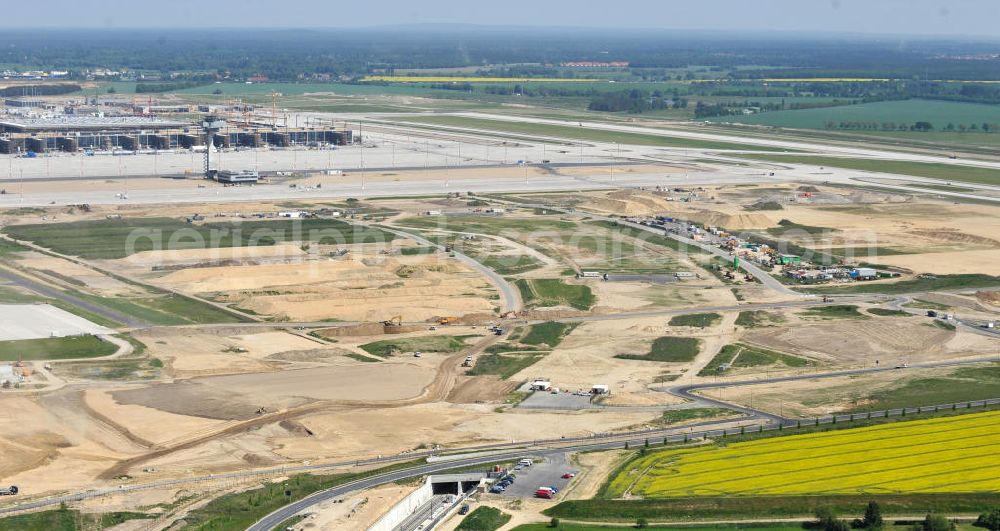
[872, 197]
[740, 221]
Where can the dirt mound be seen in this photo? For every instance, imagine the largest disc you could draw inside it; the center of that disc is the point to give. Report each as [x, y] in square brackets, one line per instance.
[739, 221]
[955, 236]
[807, 188]
[365, 329]
[629, 203]
[315, 355]
[989, 297]
[873, 197]
[296, 428]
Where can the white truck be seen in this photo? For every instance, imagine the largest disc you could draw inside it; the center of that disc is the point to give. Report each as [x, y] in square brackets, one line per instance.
[8, 491]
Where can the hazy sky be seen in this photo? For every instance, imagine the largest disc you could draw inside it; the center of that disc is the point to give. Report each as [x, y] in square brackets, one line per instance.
[923, 17]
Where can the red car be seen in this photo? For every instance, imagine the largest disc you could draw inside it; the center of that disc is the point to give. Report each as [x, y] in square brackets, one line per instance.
[568, 475]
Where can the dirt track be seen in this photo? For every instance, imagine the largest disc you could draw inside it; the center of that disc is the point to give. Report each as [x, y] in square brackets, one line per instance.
[437, 391]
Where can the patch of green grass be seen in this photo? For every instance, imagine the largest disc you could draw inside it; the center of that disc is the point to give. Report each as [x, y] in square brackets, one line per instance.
[484, 518]
[118, 238]
[8, 247]
[836, 311]
[509, 264]
[886, 312]
[388, 347]
[554, 292]
[550, 333]
[162, 309]
[56, 348]
[66, 520]
[937, 283]
[947, 172]
[667, 377]
[927, 305]
[740, 507]
[413, 251]
[361, 357]
[944, 325]
[752, 356]
[682, 415]
[757, 318]
[504, 365]
[744, 356]
[697, 320]
[966, 383]
[593, 527]
[668, 349]
[579, 133]
[12, 295]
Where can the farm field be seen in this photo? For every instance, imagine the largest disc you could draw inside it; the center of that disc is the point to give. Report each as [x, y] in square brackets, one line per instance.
[938, 113]
[942, 455]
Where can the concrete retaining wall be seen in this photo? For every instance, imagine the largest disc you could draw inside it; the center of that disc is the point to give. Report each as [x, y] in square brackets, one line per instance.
[404, 508]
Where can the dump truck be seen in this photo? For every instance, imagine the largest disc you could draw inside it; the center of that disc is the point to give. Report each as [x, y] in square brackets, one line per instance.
[447, 320]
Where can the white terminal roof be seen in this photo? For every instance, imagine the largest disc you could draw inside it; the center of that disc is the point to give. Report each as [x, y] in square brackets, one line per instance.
[64, 123]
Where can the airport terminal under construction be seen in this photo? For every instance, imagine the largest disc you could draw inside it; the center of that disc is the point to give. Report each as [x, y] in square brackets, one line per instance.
[130, 133]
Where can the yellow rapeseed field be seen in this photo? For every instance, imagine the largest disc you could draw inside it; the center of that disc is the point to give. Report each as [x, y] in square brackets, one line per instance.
[950, 454]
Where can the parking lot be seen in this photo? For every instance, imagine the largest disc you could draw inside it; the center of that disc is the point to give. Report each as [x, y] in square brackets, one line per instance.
[547, 473]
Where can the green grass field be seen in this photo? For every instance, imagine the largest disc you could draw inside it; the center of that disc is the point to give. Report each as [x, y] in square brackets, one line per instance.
[757, 318]
[966, 383]
[549, 333]
[938, 113]
[576, 133]
[66, 520]
[57, 348]
[946, 172]
[741, 355]
[836, 311]
[164, 309]
[484, 519]
[387, 347]
[668, 349]
[548, 292]
[118, 238]
[697, 320]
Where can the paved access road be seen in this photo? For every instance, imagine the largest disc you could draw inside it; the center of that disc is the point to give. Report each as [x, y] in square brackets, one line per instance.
[59, 295]
[510, 295]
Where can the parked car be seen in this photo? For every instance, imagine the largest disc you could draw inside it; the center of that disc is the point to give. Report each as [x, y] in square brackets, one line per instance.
[464, 509]
[568, 475]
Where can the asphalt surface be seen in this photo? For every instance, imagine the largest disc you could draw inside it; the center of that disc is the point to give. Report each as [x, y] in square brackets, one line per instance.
[52, 293]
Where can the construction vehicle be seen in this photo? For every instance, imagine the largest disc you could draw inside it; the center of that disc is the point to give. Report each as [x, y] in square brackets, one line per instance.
[826, 298]
[396, 320]
[8, 491]
[447, 320]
